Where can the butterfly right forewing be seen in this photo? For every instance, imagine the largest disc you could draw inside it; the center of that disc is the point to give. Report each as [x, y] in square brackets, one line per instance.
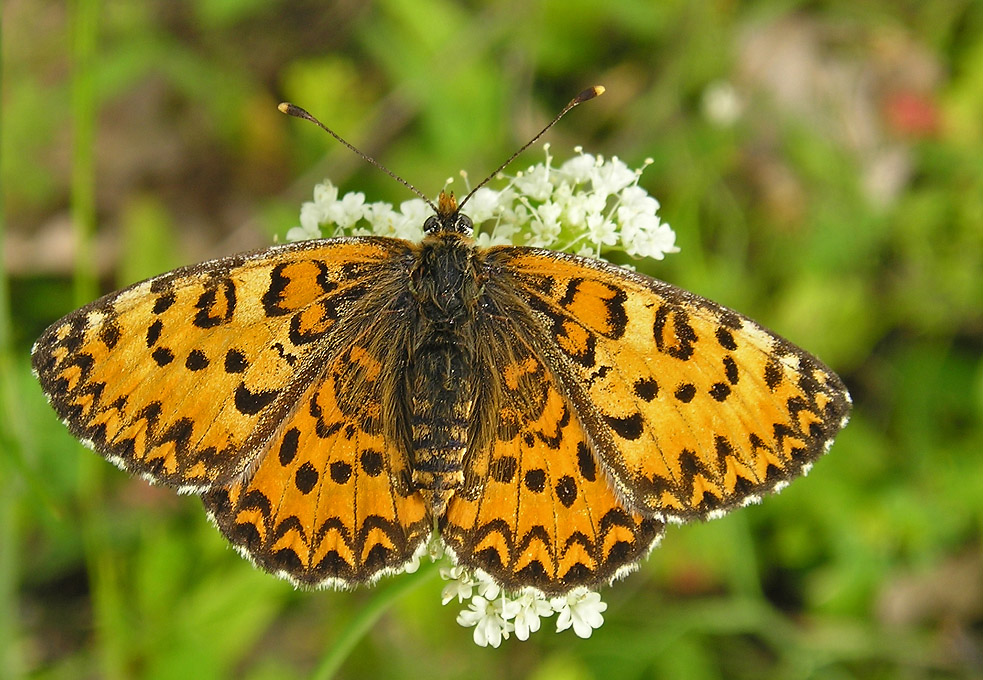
[184, 377]
[692, 408]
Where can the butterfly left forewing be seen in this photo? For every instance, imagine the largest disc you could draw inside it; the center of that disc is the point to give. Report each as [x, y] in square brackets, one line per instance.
[691, 408]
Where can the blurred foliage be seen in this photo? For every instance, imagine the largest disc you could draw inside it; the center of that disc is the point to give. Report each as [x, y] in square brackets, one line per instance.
[819, 161]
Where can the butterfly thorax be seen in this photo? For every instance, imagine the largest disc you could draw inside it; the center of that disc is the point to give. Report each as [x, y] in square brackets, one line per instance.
[441, 377]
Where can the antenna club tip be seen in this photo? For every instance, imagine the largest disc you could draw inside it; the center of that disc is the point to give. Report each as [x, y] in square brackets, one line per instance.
[284, 107]
[589, 93]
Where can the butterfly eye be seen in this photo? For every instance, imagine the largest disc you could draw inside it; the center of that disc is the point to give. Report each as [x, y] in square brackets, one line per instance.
[431, 225]
[463, 225]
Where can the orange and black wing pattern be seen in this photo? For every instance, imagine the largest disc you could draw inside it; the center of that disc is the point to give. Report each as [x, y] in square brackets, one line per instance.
[691, 409]
[209, 379]
[536, 509]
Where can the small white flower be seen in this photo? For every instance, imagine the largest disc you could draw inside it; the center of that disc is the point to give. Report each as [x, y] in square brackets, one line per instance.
[489, 620]
[325, 193]
[634, 200]
[435, 549]
[500, 236]
[581, 609]
[346, 212]
[611, 177]
[460, 584]
[646, 236]
[546, 225]
[535, 183]
[484, 205]
[302, 233]
[487, 587]
[311, 216]
[408, 223]
[380, 216]
[579, 169]
[601, 230]
[586, 250]
[413, 565]
[531, 607]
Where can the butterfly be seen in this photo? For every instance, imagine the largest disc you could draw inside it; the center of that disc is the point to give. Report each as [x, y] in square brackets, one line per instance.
[336, 402]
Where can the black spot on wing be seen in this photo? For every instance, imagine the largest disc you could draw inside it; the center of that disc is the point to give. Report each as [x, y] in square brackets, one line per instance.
[685, 392]
[306, 478]
[250, 403]
[646, 388]
[371, 462]
[566, 490]
[585, 462]
[288, 447]
[196, 361]
[153, 332]
[162, 356]
[216, 305]
[673, 333]
[274, 293]
[773, 374]
[110, 334]
[720, 391]
[340, 472]
[235, 361]
[726, 339]
[535, 480]
[629, 427]
[503, 469]
[730, 369]
[163, 303]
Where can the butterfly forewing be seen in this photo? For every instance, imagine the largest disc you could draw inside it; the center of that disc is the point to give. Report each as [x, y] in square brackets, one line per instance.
[691, 408]
[185, 377]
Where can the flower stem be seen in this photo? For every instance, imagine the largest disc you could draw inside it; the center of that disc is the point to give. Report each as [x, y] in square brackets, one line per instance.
[368, 616]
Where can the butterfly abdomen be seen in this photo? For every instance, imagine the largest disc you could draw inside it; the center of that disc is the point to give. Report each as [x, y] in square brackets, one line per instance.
[441, 366]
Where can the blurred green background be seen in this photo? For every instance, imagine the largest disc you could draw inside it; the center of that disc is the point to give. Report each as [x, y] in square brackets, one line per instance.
[821, 162]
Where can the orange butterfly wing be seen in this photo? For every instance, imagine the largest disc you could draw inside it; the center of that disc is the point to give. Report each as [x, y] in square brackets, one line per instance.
[205, 377]
[331, 503]
[535, 509]
[691, 408]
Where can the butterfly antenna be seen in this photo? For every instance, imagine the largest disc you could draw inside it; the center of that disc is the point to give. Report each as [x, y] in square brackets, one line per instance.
[297, 112]
[584, 96]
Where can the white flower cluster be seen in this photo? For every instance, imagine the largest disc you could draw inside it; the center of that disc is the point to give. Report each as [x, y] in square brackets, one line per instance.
[495, 614]
[588, 205]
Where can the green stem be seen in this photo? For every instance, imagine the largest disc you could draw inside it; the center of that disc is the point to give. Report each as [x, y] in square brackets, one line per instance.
[368, 616]
[107, 598]
[13, 444]
[84, 28]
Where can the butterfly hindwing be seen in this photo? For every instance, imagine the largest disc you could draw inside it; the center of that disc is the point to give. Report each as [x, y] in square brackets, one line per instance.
[183, 378]
[536, 509]
[331, 502]
[692, 408]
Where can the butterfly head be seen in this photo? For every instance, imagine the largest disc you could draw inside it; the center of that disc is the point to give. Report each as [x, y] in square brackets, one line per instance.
[448, 218]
